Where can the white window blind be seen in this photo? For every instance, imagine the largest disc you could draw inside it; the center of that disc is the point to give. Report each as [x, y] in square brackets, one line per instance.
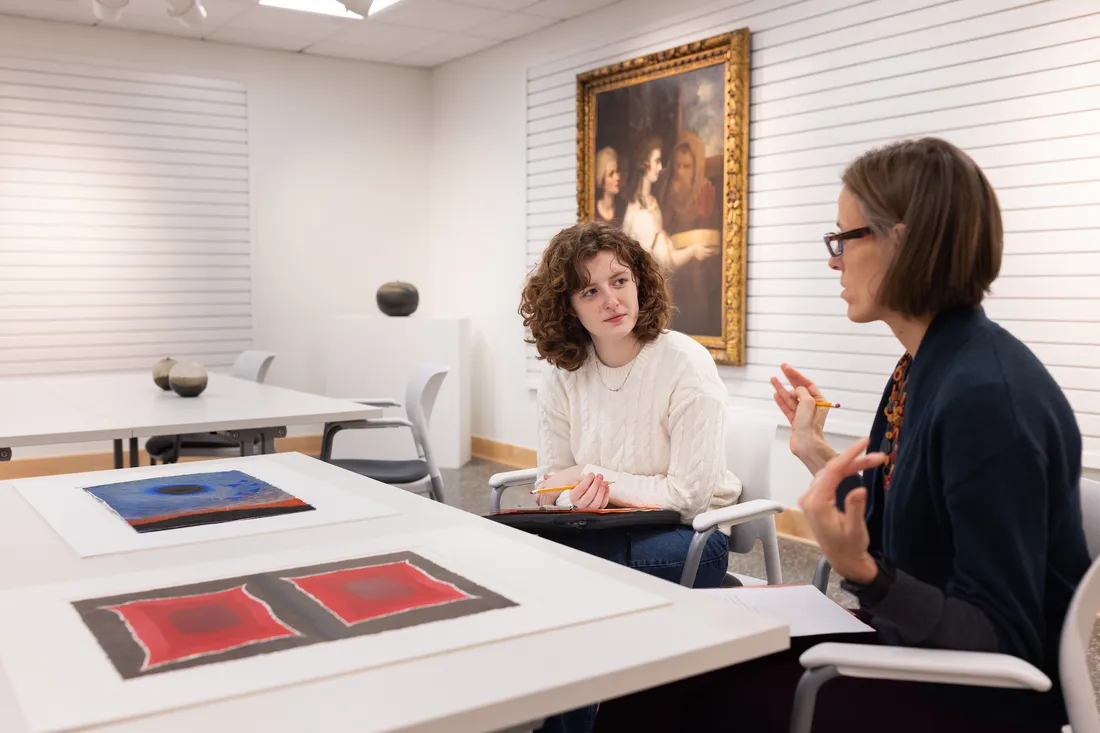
[1015, 83]
[125, 231]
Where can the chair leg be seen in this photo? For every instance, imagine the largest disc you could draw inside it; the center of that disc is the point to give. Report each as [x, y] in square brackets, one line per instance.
[437, 488]
[773, 569]
[805, 697]
[694, 557]
[494, 498]
[328, 436]
[821, 575]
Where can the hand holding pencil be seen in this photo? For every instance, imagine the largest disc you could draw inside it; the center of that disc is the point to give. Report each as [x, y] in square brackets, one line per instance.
[806, 409]
[586, 491]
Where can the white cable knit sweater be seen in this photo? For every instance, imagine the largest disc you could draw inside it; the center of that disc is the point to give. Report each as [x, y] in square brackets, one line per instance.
[660, 438]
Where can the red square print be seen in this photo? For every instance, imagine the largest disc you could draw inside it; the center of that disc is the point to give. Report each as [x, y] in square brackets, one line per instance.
[362, 594]
[187, 627]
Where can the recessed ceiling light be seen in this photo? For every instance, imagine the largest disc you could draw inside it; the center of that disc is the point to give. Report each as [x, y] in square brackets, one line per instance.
[381, 5]
[324, 7]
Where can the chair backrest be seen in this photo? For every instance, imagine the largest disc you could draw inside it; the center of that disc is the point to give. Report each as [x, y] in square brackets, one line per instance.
[750, 436]
[253, 365]
[420, 395]
[1073, 665]
[1090, 513]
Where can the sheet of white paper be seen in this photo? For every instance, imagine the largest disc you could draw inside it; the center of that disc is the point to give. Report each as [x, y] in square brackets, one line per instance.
[807, 611]
[63, 679]
[91, 528]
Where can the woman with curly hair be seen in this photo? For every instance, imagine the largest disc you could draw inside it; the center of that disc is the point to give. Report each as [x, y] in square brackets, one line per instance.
[631, 414]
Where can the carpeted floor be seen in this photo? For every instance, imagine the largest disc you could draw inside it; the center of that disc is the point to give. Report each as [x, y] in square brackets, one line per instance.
[468, 488]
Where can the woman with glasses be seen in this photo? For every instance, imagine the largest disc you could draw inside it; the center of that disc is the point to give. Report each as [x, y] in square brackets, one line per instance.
[963, 529]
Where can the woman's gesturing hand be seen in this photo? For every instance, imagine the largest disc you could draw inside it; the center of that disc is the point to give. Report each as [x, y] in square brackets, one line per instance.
[842, 535]
[807, 420]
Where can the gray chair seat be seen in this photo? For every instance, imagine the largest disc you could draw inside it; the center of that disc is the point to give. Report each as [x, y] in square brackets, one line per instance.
[162, 446]
[417, 476]
[388, 472]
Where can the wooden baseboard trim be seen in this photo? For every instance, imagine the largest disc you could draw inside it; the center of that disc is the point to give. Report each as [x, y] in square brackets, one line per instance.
[506, 453]
[85, 462]
[791, 524]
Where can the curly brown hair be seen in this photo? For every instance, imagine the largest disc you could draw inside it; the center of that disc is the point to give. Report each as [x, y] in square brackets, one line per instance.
[548, 316]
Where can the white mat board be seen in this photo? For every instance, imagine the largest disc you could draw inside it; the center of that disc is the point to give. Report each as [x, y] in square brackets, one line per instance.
[91, 528]
[64, 680]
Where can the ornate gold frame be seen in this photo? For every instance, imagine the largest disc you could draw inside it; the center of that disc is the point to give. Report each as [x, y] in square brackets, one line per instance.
[733, 49]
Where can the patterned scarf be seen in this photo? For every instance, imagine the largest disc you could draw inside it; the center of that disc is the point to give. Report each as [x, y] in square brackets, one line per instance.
[895, 412]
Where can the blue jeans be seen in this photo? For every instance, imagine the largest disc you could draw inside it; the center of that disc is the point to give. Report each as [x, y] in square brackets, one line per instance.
[659, 551]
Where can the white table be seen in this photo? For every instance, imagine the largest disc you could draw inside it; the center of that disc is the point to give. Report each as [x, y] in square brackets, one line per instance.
[493, 687]
[73, 409]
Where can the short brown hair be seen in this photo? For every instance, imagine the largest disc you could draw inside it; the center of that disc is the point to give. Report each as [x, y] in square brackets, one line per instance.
[554, 329]
[950, 250]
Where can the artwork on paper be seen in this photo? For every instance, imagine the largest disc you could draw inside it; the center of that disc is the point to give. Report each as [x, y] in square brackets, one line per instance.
[210, 622]
[662, 153]
[171, 502]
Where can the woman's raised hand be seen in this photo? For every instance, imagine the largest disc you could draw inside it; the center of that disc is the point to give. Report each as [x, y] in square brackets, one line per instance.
[807, 420]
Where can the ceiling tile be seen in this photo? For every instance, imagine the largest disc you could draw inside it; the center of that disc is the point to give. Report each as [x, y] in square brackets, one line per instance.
[309, 26]
[357, 52]
[506, 5]
[437, 15]
[448, 49]
[246, 37]
[563, 9]
[373, 34]
[513, 25]
[70, 11]
[152, 24]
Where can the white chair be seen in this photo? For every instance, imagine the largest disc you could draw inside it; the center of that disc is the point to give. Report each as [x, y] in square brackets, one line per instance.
[749, 439]
[251, 365]
[421, 475]
[826, 661]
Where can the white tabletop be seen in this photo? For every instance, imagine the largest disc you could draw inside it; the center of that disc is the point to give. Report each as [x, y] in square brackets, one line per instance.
[484, 688]
[69, 409]
[41, 417]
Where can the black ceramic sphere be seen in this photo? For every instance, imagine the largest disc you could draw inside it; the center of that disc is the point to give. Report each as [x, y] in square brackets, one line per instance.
[398, 298]
[188, 380]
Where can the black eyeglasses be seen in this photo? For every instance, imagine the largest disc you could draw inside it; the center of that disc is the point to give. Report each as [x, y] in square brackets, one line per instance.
[839, 239]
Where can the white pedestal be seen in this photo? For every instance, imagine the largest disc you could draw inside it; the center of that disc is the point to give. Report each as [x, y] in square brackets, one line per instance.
[373, 355]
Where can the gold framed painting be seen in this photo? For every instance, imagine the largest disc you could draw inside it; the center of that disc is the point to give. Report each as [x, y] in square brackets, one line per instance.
[662, 153]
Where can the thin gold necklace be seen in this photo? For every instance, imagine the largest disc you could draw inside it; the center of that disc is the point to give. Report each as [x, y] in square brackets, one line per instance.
[599, 376]
[616, 389]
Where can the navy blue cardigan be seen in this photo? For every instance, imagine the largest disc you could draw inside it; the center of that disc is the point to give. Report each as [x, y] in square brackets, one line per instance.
[983, 515]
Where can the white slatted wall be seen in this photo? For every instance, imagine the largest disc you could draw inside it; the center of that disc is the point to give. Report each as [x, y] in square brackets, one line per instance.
[1016, 83]
[125, 231]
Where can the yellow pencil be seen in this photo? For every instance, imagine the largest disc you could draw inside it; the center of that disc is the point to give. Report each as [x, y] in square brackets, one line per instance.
[553, 489]
[821, 403]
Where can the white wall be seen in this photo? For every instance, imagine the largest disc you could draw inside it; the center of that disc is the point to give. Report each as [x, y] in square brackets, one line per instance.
[1012, 81]
[340, 156]
[98, 177]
